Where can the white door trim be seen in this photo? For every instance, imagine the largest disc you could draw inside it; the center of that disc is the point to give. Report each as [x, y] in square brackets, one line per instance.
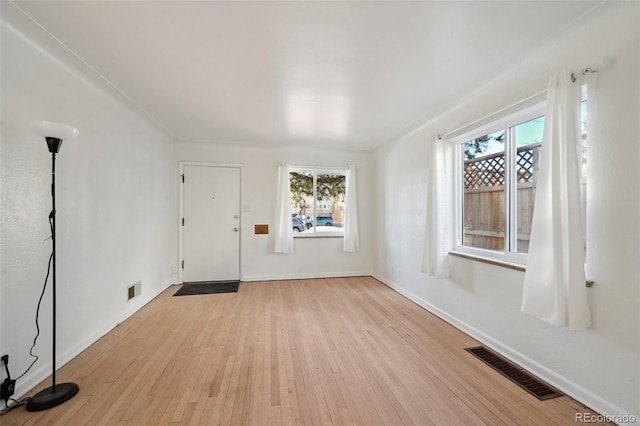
[181, 166]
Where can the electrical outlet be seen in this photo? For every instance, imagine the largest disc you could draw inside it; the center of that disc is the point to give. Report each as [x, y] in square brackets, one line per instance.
[7, 389]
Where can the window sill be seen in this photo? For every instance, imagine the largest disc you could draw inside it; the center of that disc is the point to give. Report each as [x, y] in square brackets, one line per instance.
[310, 235]
[502, 263]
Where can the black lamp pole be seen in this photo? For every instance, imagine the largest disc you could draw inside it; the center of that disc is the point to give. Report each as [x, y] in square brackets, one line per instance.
[57, 393]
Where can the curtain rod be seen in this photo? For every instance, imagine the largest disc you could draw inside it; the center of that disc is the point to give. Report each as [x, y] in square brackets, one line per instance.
[584, 71]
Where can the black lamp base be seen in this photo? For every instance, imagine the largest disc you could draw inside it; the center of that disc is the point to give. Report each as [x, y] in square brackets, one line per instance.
[47, 398]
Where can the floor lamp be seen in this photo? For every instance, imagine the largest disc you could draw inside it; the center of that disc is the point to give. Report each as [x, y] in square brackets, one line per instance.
[58, 393]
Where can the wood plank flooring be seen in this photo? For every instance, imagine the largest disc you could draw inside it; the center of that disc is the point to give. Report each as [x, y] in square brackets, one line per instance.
[338, 351]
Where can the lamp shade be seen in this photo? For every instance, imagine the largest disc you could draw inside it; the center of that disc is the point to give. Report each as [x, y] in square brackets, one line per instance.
[48, 129]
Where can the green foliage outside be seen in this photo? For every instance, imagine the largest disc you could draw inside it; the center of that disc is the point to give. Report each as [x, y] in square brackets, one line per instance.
[476, 147]
[329, 187]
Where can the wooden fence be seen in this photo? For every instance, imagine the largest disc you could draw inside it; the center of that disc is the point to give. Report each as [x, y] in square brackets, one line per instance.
[484, 199]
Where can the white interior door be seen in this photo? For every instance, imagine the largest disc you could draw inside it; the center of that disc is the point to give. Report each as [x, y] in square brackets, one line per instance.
[211, 223]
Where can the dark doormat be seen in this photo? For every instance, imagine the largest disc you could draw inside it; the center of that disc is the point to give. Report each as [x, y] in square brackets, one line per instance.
[208, 287]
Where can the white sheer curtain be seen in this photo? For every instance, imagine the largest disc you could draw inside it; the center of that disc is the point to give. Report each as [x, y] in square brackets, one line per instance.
[554, 284]
[284, 226]
[351, 239]
[437, 242]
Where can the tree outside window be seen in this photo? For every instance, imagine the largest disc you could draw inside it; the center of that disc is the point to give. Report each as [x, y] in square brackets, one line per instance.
[318, 199]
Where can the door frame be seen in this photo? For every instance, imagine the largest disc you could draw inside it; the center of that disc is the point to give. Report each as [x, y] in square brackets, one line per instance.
[181, 166]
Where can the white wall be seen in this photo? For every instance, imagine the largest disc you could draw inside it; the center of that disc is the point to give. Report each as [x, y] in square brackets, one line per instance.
[599, 367]
[312, 257]
[116, 203]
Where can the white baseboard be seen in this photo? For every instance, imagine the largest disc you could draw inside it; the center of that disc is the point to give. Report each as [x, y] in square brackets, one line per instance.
[302, 276]
[568, 387]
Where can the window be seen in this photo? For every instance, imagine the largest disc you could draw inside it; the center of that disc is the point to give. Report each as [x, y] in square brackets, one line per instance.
[497, 168]
[318, 201]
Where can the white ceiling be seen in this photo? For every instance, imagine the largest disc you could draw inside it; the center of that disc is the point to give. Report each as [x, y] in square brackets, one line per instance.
[347, 75]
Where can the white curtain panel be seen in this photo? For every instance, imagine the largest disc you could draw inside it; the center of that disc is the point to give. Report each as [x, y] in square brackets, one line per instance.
[284, 225]
[351, 238]
[437, 241]
[554, 284]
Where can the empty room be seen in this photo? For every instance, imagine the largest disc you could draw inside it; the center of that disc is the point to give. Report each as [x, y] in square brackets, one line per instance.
[319, 212]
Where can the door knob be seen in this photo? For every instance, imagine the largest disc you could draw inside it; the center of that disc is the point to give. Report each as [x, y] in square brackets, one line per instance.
[235, 229]
[235, 216]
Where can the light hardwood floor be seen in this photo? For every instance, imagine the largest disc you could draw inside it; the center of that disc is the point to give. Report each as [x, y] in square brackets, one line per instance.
[313, 352]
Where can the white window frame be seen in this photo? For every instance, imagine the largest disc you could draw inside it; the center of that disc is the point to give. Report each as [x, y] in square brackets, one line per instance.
[319, 170]
[504, 256]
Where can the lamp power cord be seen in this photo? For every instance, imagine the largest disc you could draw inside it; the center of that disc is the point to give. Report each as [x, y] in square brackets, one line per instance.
[24, 401]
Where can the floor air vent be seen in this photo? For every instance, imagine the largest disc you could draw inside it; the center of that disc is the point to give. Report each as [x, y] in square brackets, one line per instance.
[514, 373]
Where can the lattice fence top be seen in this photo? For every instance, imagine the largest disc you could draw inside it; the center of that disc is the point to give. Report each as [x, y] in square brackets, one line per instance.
[525, 164]
[490, 170]
[484, 171]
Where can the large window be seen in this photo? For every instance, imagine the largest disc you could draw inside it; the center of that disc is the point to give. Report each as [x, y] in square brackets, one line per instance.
[318, 201]
[497, 169]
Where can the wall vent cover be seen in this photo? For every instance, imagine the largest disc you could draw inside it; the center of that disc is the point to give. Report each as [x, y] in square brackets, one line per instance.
[134, 290]
[525, 380]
